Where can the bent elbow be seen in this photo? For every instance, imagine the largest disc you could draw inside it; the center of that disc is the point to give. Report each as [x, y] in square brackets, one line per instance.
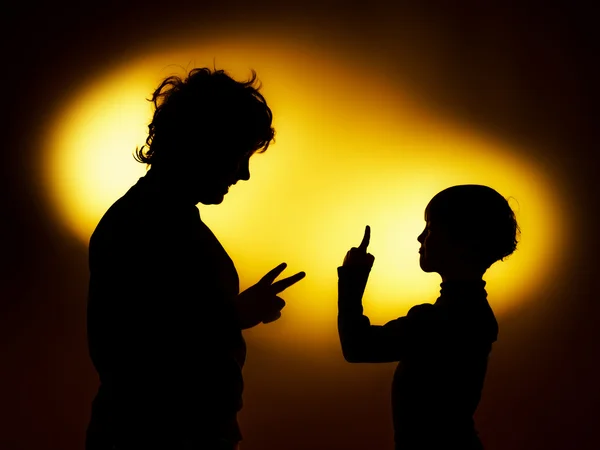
[352, 359]
[351, 355]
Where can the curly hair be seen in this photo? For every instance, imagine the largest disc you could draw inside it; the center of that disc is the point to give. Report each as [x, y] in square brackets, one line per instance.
[477, 216]
[206, 111]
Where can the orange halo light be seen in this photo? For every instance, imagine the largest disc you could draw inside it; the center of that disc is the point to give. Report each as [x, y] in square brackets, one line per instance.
[350, 150]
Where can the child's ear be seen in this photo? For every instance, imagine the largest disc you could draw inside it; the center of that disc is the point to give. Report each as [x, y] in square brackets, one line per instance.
[467, 250]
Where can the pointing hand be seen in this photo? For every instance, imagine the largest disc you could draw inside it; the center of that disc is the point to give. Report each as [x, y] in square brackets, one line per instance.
[359, 256]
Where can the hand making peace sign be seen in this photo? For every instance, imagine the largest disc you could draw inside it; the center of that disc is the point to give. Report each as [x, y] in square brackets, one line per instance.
[260, 303]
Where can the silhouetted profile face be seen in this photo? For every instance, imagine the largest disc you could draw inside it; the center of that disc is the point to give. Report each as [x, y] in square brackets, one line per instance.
[468, 228]
[203, 132]
[211, 182]
[437, 250]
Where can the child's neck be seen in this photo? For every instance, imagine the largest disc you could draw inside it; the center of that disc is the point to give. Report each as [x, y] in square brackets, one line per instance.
[462, 276]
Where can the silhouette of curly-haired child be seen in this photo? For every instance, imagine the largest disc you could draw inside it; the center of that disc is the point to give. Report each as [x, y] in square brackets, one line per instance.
[442, 348]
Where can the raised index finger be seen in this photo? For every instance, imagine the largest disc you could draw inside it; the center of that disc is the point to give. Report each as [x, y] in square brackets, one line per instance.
[285, 283]
[366, 238]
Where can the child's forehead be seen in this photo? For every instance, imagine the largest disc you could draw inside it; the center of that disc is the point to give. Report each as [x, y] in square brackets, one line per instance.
[441, 210]
[427, 212]
[432, 209]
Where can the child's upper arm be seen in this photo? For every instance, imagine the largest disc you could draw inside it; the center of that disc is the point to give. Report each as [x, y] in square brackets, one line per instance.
[363, 342]
[402, 333]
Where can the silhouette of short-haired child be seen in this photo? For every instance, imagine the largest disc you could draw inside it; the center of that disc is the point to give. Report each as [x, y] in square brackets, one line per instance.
[442, 348]
[164, 310]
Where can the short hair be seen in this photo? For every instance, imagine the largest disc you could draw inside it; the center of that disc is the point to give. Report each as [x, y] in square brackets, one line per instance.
[479, 217]
[208, 111]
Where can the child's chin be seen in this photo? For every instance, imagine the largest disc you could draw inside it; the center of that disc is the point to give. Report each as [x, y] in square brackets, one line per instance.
[425, 268]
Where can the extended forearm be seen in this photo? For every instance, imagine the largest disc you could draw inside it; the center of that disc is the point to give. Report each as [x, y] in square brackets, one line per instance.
[361, 341]
[353, 326]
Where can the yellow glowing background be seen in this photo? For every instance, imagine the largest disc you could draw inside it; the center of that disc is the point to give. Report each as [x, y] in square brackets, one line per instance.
[352, 148]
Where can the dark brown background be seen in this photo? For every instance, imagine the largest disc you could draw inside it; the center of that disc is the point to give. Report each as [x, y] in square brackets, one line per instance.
[524, 73]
